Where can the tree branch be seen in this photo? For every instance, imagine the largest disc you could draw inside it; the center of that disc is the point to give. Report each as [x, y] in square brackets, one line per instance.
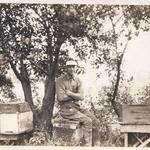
[114, 32]
[36, 65]
[118, 19]
[57, 50]
[15, 70]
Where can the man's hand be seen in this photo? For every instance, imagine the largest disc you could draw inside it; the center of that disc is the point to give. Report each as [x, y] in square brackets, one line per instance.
[75, 96]
[68, 92]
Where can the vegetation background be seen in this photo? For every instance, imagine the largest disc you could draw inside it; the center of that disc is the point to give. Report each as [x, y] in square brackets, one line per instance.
[37, 39]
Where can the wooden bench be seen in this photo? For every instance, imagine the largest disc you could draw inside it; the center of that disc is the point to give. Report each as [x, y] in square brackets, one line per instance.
[135, 120]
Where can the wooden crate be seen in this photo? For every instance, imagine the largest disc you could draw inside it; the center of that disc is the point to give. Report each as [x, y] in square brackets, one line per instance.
[135, 114]
[15, 118]
[67, 130]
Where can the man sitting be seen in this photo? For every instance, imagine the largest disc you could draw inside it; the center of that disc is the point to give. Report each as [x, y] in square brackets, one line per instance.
[69, 92]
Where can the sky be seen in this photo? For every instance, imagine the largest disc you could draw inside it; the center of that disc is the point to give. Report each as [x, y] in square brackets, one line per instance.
[137, 59]
[137, 56]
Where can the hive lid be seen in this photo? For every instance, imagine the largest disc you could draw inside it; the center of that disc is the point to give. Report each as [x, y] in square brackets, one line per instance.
[14, 107]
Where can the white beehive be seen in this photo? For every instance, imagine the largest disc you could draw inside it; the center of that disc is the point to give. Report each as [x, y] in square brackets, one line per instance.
[15, 118]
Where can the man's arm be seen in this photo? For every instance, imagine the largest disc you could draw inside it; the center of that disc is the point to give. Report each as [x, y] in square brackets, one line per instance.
[79, 95]
[75, 96]
[61, 92]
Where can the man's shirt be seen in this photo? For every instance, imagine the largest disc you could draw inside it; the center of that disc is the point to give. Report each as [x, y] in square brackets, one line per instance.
[64, 83]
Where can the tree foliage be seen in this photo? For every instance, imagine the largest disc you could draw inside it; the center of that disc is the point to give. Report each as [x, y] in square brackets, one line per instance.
[32, 36]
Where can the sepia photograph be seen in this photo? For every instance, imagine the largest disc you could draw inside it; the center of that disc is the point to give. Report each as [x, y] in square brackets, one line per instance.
[74, 75]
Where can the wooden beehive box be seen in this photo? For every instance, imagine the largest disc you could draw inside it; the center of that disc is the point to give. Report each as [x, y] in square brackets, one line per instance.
[15, 118]
[135, 114]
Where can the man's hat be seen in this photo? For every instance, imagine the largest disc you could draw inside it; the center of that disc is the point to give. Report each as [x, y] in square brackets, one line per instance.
[71, 63]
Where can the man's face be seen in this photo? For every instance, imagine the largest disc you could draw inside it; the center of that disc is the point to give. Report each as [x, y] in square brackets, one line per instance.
[71, 70]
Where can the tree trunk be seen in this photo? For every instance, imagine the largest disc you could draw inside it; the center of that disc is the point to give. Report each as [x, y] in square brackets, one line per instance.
[28, 98]
[114, 95]
[49, 97]
[48, 104]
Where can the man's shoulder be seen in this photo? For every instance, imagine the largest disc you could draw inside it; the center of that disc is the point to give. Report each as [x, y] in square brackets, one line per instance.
[61, 78]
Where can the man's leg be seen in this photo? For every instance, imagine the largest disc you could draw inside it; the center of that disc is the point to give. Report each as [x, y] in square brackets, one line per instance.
[75, 115]
[95, 127]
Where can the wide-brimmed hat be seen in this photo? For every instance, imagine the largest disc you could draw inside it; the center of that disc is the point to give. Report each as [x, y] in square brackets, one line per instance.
[71, 63]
